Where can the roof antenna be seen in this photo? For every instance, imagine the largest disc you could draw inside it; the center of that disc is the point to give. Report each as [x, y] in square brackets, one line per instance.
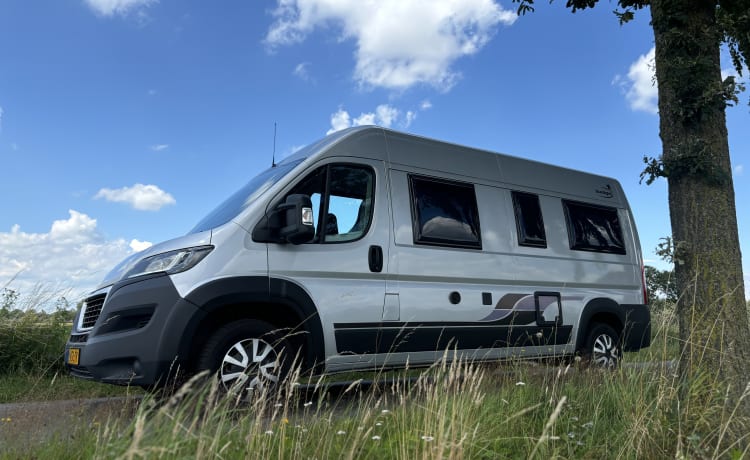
[273, 155]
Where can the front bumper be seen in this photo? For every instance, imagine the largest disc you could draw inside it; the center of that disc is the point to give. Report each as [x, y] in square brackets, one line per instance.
[136, 338]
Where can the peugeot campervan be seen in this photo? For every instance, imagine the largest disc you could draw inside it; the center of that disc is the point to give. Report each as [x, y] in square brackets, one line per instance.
[369, 248]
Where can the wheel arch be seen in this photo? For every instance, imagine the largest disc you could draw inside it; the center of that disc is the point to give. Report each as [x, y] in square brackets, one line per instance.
[282, 303]
[599, 310]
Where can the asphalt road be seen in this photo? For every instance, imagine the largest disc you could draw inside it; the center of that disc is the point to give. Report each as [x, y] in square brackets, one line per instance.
[23, 424]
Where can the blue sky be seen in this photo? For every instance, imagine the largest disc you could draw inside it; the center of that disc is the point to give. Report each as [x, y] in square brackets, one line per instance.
[123, 122]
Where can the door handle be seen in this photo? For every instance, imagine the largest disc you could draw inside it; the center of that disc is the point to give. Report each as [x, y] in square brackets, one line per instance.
[375, 258]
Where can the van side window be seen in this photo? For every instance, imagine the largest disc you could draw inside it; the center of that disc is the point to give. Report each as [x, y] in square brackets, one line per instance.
[593, 228]
[342, 196]
[444, 213]
[529, 220]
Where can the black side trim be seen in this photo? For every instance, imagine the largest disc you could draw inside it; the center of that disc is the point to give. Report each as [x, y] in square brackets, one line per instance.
[515, 319]
[416, 338]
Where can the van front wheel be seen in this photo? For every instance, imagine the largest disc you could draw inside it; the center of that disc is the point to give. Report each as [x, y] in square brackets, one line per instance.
[248, 356]
[603, 347]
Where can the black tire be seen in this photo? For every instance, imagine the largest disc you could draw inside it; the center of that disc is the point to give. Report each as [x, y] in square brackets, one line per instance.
[248, 356]
[603, 347]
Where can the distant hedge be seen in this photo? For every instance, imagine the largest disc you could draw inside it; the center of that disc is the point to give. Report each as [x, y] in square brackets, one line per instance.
[33, 342]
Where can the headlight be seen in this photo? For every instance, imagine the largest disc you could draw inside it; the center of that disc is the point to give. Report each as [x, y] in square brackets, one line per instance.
[170, 262]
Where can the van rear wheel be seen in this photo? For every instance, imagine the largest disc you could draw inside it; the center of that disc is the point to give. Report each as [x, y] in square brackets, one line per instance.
[603, 348]
[248, 356]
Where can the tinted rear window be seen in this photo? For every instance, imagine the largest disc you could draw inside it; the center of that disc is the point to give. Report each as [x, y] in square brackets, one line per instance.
[444, 213]
[529, 220]
[593, 228]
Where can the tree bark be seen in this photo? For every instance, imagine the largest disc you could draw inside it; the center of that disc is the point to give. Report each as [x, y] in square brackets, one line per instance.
[713, 319]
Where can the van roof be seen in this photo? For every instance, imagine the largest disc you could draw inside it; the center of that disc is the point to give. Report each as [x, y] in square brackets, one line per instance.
[467, 163]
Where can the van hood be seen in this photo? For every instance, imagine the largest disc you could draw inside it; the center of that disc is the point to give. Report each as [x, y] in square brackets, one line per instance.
[182, 242]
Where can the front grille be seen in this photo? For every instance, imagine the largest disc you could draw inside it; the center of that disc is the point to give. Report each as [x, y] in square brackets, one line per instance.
[91, 311]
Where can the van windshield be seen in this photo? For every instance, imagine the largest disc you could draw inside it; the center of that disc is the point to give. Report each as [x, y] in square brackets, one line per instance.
[233, 205]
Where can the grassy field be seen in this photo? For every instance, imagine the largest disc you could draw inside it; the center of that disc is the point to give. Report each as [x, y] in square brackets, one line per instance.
[24, 387]
[453, 410]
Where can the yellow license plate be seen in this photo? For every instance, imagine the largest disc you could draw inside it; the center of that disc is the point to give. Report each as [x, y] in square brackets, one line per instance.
[74, 355]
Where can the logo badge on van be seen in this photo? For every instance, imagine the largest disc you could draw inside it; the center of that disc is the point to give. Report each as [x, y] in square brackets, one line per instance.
[605, 191]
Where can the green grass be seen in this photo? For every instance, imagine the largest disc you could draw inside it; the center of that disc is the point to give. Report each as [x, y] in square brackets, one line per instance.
[665, 342]
[454, 410]
[458, 410]
[24, 387]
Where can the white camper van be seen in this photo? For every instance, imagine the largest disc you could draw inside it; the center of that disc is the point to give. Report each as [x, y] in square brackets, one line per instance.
[373, 247]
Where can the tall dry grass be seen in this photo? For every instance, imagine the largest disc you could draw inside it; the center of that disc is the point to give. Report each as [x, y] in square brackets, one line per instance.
[456, 409]
[32, 340]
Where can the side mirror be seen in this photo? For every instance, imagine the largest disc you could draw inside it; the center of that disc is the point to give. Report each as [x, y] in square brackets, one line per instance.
[291, 221]
[297, 219]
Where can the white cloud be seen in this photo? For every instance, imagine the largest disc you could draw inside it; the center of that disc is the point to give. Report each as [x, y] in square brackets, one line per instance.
[384, 115]
[409, 118]
[365, 119]
[138, 246]
[641, 90]
[425, 105]
[302, 71]
[398, 43]
[110, 8]
[159, 147]
[73, 255]
[1, 119]
[738, 170]
[339, 120]
[640, 85]
[140, 197]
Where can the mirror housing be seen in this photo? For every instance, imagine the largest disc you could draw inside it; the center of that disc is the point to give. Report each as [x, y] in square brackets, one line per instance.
[297, 216]
[289, 222]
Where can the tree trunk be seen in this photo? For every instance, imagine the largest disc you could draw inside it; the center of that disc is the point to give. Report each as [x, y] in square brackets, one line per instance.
[713, 318]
